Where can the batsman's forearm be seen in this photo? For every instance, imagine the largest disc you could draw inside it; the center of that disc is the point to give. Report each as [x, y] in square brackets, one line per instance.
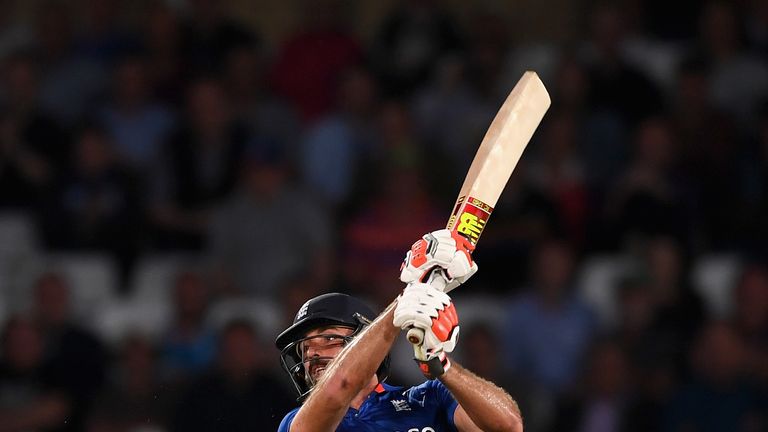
[359, 360]
[489, 406]
[346, 376]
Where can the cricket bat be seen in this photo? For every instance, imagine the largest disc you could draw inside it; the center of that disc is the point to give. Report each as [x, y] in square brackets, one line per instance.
[494, 162]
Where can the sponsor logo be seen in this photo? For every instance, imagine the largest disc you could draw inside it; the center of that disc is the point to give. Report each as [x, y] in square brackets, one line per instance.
[471, 221]
[481, 205]
[401, 405]
[471, 226]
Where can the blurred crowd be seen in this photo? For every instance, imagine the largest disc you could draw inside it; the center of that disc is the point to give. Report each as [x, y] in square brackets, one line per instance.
[309, 165]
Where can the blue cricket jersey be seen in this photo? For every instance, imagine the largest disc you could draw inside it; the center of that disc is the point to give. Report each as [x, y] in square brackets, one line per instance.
[428, 407]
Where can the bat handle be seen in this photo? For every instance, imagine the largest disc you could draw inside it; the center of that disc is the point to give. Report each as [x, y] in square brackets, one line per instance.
[415, 336]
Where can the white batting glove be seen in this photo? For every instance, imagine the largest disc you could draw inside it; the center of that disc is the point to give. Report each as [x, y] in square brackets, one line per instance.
[427, 308]
[440, 249]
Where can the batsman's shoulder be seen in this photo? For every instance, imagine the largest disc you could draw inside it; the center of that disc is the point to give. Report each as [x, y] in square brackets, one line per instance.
[285, 424]
[428, 388]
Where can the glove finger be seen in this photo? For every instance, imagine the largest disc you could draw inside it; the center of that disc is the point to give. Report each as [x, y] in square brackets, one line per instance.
[426, 294]
[441, 297]
[451, 315]
[402, 320]
[443, 325]
[450, 344]
[412, 315]
[428, 304]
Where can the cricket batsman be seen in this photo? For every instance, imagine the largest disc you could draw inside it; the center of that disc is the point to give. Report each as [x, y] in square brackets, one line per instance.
[338, 358]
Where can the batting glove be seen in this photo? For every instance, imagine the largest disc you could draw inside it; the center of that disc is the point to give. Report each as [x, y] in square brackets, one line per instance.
[427, 308]
[440, 249]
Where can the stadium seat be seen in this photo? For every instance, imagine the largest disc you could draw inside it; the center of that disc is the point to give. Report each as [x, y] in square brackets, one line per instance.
[714, 278]
[93, 278]
[265, 315]
[122, 317]
[18, 254]
[598, 282]
[18, 235]
[154, 275]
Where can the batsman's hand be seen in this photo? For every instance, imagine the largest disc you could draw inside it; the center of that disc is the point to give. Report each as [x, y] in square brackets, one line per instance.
[443, 250]
[429, 309]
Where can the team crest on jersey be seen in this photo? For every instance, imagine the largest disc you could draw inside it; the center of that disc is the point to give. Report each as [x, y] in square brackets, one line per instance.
[401, 405]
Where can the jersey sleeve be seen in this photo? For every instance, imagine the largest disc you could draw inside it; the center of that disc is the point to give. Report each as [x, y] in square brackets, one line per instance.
[285, 425]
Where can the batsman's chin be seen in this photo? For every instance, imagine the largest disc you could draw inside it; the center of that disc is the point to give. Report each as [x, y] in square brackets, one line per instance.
[317, 373]
[317, 370]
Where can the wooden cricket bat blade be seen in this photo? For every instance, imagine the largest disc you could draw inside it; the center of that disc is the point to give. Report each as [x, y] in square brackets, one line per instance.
[497, 157]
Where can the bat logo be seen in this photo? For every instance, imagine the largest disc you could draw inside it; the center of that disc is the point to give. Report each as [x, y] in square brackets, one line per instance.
[471, 226]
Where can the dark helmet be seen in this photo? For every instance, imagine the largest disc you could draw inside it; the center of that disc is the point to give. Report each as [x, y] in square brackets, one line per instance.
[333, 309]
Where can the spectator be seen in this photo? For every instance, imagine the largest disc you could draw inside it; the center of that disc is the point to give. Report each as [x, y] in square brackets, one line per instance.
[753, 232]
[134, 397]
[410, 41]
[570, 86]
[239, 394]
[712, 155]
[15, 34]
[756, 23]
[70, 85]
[162, 44]
[371, 238]
[559, 173]
[198, 167]
[450, 115]
[208, 35]
[34, 146]
[338, 145]
[31, 398]
[649, 199]
[137, 125]
[312, 58]
[97, 205]
[479, 354]
[750, 318]
[693, 113]
[651, 355]
[719, 396]
[75, 356]
[492, 63]
[738, 79]
[376, 227]
[680, 310]
[245, 81]
[101, 36]
[602, 401]
[189, 346]
[267, 209]
[524, 217]
[548, 329]
[615, 85]
[647, 346]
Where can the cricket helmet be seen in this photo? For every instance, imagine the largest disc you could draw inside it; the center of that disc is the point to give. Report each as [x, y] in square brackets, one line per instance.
[332, 309]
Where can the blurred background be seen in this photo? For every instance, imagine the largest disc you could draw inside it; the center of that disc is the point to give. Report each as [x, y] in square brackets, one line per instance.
[177, 177]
